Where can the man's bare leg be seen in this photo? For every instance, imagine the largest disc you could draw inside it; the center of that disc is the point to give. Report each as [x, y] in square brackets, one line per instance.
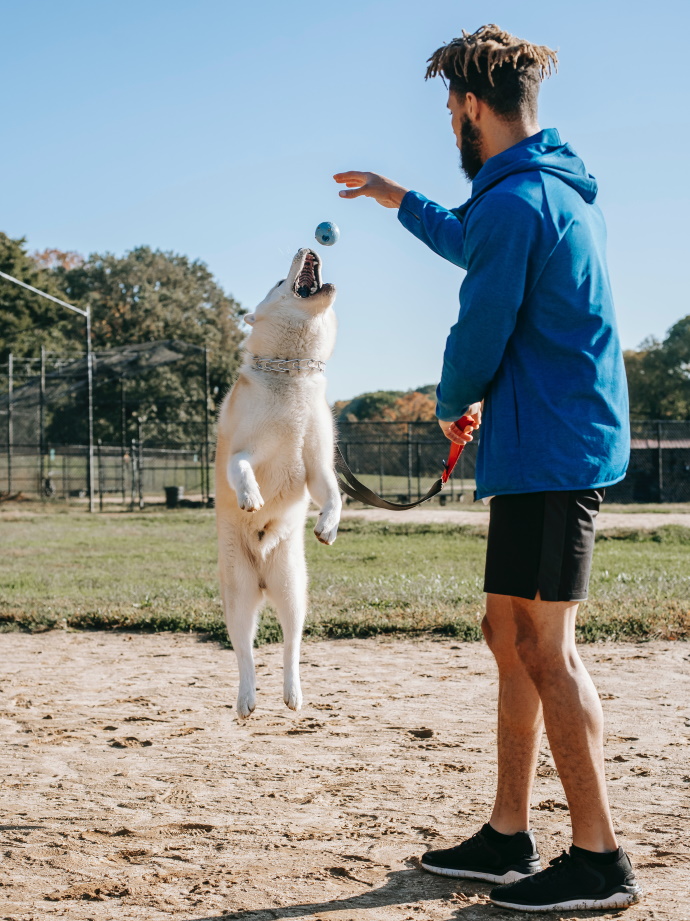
[572, 714]
[519, 720]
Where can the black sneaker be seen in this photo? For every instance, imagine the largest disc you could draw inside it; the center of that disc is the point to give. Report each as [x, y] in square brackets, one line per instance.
[572, 882]
[488, 856]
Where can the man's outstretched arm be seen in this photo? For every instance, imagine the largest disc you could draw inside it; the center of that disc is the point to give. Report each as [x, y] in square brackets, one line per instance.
[439, 228]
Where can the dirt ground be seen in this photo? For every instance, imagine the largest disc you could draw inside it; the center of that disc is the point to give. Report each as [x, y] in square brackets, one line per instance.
[130, 791]
[479, 516]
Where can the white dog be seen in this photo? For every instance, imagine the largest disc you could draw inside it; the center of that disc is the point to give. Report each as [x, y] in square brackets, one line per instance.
[275, 445]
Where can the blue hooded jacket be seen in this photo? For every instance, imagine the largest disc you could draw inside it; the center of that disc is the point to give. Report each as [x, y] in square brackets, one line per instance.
[536, 338]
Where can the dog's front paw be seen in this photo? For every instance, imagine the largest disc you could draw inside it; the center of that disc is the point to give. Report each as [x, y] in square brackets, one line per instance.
[326, 530]
[250, 500]
[246, 703]
[292, 696]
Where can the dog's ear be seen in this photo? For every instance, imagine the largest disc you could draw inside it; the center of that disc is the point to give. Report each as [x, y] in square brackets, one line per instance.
[249, 318]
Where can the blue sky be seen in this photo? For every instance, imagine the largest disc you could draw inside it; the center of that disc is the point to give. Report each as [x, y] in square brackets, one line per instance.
[213, 129]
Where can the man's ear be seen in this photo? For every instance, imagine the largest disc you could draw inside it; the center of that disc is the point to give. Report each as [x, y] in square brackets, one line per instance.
[472, 106]
[249, 318]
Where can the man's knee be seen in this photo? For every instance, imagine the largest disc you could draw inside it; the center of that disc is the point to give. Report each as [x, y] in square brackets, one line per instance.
[488, 632]
[543, 656]
[499, 634]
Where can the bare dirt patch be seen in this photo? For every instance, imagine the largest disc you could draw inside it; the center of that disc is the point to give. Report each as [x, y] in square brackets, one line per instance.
[478, 515]
[316, 815]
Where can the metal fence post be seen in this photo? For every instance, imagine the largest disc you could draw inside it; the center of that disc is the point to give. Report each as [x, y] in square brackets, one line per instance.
[140, 465]
[207, 457]
[419, 472]
[660, 462]
[380, 468]
[409, 462]
[10, 388]
[89, 381]
[100, 474]
[133, 465]
[123, 441]
[42, 424]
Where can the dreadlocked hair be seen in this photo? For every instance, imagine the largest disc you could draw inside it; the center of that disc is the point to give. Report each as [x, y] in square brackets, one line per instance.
[499, 68]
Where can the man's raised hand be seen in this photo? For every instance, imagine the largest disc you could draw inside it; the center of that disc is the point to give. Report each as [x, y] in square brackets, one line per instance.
[384, 191]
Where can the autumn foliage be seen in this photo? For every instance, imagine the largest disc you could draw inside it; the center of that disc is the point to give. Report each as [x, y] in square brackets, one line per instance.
[389, 406]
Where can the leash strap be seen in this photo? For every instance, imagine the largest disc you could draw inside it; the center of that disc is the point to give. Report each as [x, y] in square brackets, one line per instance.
[351, 486]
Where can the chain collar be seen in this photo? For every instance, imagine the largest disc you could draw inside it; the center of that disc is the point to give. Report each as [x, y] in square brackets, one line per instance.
[285, 365]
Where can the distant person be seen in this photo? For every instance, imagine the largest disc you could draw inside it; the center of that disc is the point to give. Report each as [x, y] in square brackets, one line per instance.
[536, 341]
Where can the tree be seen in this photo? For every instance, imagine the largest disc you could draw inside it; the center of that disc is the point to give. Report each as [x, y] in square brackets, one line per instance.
[659, 375]
[376, 406]
[145, 296]
[148, 295]
[389, 406]
[415, 407]
[28, 321]
[56, 258]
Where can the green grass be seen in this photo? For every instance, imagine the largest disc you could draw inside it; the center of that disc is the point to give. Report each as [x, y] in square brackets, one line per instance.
[156, 570]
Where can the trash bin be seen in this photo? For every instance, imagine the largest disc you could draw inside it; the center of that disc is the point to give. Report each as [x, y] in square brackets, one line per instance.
[173, 495]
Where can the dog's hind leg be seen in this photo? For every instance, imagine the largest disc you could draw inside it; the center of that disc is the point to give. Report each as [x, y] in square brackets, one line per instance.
[286, 582]
[242, 597]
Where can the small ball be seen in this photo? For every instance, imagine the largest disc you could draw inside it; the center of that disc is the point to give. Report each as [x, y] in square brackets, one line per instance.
[327, 233]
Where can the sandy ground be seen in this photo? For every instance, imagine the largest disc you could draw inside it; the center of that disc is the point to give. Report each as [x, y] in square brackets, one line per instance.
[129, 790]
[428, 514]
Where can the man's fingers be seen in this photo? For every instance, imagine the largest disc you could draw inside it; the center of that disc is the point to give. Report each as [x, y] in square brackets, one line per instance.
[350, 176]
[351, 193]
[461, 436]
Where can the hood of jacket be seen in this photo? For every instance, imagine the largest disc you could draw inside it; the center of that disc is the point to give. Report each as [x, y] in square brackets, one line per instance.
[543, 152]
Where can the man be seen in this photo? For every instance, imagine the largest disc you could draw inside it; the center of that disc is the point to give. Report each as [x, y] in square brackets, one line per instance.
[536, 341]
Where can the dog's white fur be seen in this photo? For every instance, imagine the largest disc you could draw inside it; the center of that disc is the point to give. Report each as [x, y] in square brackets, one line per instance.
[275, 445]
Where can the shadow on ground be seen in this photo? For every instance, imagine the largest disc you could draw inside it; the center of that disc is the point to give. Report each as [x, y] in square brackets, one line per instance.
[403, 887]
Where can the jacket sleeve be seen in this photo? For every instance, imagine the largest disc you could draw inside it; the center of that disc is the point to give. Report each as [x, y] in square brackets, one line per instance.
[502, 246]
[440, 229]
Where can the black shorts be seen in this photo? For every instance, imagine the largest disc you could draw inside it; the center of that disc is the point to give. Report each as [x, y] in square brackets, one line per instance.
[542, 542]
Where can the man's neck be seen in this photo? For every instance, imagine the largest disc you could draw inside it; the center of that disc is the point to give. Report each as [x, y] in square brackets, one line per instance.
[503, 135]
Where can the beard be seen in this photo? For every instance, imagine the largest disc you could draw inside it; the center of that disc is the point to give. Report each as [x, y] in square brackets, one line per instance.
[471, 159]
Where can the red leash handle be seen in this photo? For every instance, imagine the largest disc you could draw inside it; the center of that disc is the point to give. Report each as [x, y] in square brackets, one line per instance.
[455, 449]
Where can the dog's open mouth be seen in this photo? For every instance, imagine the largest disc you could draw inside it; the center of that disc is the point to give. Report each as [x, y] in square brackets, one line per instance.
[308, 281]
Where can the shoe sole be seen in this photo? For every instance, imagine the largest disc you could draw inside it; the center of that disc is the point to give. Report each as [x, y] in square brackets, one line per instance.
[615, 900]
[512, 876]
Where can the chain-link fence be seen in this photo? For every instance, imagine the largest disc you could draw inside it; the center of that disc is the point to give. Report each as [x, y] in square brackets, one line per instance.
[659, 469]
[153, 435]
[401, 460]
[137, 475]
[152, 425]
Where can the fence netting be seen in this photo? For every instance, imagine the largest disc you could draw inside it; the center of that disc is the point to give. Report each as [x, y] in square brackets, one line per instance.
[154, 430]
[401, 460]
[152, 425]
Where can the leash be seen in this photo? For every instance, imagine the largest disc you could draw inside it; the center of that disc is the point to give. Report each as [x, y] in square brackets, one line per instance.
[347, 481]
[351, 486]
